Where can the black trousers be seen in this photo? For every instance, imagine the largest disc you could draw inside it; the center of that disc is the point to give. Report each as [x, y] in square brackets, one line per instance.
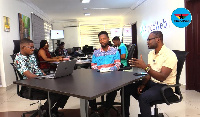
[56, 100]
[110, 97]
[151, 92]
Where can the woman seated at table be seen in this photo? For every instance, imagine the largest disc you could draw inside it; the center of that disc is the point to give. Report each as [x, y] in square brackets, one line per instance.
[45, 57]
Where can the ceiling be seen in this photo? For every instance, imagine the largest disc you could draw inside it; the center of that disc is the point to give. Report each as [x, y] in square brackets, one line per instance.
[73, 10]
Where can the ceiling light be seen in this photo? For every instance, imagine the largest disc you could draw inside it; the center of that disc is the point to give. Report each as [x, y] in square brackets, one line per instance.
[85, 1]
[87, 14]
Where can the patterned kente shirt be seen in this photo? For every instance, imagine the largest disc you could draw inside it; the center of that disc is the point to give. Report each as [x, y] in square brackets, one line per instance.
[24, 63]
[106, 59]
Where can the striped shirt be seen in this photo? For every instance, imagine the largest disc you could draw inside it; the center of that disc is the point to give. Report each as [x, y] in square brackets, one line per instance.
[106, 59]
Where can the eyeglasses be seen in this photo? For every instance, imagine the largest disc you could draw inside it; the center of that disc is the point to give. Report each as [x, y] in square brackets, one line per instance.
[32, 47]
[151, 38]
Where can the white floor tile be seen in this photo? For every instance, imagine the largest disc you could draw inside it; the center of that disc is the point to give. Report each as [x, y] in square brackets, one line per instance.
[189, 107]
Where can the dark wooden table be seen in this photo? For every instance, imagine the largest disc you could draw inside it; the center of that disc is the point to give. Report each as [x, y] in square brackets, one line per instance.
[86, 84]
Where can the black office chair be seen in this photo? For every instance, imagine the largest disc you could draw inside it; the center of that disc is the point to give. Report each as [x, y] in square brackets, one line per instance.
[177, 97]
[131, 51]
[33, 113]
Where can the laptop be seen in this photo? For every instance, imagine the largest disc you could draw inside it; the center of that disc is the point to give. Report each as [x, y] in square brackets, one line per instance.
[64, 68]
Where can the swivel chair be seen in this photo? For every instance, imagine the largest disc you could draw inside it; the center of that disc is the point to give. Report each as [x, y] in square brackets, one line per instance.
[33, 113]
[177, 97]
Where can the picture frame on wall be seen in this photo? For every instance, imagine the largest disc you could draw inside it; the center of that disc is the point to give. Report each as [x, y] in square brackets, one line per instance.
[6, 24]
[24, 26]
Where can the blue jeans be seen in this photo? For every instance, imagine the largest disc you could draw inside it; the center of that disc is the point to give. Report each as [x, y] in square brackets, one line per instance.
[151, 92]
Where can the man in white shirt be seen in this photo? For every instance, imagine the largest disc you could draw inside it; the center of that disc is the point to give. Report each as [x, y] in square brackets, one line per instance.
[161, 69]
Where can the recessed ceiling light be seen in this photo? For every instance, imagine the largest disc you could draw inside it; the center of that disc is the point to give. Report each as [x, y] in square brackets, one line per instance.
[85, 1]
[85, 8]
[87, 14]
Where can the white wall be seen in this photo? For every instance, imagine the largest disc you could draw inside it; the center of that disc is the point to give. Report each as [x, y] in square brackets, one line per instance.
[156, 10]
[11, 8]
[71, 37]
[1, 49]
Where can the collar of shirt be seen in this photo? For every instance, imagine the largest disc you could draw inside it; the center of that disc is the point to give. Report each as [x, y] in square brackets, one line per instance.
[161, 50]
[101, 50]
[24, 57]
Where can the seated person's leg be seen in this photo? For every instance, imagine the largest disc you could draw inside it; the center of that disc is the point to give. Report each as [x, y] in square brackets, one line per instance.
[129, 90]
[151, 94]
[110, 97]
[93, 104]
[62, 101]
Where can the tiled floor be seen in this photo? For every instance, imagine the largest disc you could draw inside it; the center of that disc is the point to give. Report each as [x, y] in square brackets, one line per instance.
[189, 107]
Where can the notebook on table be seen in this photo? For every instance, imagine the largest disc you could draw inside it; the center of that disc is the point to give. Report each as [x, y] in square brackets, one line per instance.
[64, 68]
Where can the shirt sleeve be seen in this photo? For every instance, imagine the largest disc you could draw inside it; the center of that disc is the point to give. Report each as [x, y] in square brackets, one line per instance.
[36, 70]
[20, 65]
[170, 62]
[116, 62]
[123, 50]
[94, 63]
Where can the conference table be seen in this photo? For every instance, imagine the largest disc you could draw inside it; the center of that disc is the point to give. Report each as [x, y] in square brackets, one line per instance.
[86, 84]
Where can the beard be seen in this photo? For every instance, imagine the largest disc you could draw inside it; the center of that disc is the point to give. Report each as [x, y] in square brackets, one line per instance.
[104, 46]
[152, 46]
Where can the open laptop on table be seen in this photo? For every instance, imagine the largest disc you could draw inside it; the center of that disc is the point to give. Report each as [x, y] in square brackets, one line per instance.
[64, 68]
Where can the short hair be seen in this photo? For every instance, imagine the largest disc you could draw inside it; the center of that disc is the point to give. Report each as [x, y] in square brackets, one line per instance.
[158, 34]
[62, 43]
[25, 40]
[103, 32]
[42, 43]
[116, 38]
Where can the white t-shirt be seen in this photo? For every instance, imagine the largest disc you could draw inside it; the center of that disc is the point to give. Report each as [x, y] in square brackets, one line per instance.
[166, 58]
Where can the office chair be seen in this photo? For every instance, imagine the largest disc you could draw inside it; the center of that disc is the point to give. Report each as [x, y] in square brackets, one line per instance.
[131, 51]
[33, 113]
[177, 97]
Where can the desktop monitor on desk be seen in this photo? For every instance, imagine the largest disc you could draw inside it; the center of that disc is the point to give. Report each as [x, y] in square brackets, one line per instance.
[88, 49]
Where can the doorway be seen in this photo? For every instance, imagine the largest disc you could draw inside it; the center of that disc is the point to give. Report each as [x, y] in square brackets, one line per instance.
[192, 40]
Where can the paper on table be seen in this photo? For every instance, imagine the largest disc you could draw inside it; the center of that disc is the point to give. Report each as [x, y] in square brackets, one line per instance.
[105, 69]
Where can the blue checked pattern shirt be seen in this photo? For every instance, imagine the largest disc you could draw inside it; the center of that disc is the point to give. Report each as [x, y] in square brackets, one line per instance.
[26, 63]
[106, 59]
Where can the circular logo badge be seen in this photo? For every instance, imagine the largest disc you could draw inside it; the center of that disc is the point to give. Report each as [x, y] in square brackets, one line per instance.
[181, 17]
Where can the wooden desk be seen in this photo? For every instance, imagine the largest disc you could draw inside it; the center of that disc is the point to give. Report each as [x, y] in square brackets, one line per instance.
[86, 84]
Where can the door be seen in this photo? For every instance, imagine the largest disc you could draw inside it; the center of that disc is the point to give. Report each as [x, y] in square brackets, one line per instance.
[193, 46]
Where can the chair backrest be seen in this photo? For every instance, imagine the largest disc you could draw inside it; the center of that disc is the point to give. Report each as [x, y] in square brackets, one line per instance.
[131, 50]
[13, 56]
[181, 56]
[18, 77]
[16, 46]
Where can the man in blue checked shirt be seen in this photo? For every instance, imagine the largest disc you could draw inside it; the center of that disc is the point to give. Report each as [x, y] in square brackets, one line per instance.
[105, 58]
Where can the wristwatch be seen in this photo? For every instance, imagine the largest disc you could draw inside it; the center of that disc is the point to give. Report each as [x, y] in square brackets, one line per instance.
[147, 69]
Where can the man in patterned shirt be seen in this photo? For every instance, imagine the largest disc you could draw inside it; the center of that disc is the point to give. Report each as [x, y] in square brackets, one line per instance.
[105, 58]
[25, 63]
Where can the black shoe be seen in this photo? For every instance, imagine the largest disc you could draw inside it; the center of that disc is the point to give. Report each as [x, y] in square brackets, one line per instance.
[54, 111]
[94, 114]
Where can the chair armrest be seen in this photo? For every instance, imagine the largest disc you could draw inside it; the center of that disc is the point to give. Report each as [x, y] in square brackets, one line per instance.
[167, 87]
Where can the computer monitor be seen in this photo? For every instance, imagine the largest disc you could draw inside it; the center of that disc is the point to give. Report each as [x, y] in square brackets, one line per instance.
[87, 49]
[76, 48]
[57, 34]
